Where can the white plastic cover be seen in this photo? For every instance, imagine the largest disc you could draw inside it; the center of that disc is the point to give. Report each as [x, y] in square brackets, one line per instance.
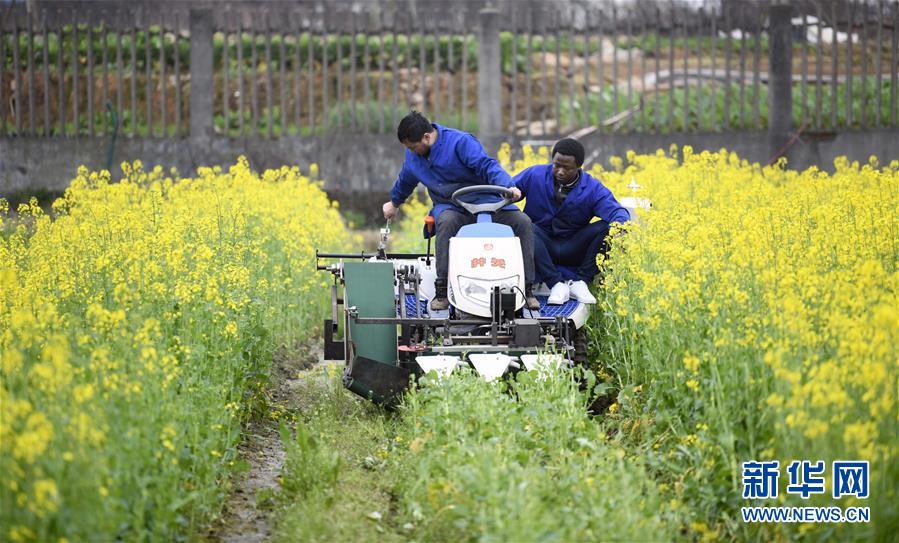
[542, 361]
[490, 366]
[442, 364]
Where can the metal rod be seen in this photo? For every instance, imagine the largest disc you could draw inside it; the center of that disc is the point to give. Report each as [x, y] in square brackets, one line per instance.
[163, 83]
[513, 98]
[282, 82]
[803, 86]
[713, 83]
[422, 69]
[863, 117]
[269, 101]
[310, 80]
[543, 83]
[616, 107]
[819, 67]
[45, 51]
[728, 54]
[834, 66]
[671, 36]
[148, 70]
[450, 67]
[254, 82]
[120, 75]
[325, 83]
[686, 50]
[643, 34]
[366, 87]
[104, 58]
[601, 103]
[743, 74]
[240, 77]
[878, 60]
[528, 70]
[226, 79]
[657, 123]
[849, 75]
[2, 69]
[571, 53]
[894, 51]
[435, 39]
[177, 68]
[630, 63]
[381, 81]
[297, 82]
[353, 62]
[756, 66]
[394, 76]
[699, 108]
[75, 97]
[61, 71]
[31, 77]
[465, 80]
[17, 73]
[558, 74]
[133, 78]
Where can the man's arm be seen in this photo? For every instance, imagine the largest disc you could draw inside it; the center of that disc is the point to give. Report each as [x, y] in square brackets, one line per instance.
[472, 154]
[523, 181]
[402, 188]
[608, 209]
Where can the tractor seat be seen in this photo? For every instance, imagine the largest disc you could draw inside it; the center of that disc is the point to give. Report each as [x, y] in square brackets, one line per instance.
[485, 230]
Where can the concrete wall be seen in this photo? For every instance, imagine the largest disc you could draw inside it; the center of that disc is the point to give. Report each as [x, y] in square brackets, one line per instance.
[357, 164]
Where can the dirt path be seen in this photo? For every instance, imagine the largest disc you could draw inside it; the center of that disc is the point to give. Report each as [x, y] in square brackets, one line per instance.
[246, 516]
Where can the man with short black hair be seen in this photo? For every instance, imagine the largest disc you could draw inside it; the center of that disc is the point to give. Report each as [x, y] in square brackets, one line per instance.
[562, 199]
[445, 160]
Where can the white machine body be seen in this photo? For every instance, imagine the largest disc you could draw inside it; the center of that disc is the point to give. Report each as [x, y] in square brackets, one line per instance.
[476, 265]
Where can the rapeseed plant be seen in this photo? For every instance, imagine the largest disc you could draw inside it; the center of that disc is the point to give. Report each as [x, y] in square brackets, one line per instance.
[136, 326]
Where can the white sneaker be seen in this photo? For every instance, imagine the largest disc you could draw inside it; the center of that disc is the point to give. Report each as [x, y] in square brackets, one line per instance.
[581, 292]
[559, 294]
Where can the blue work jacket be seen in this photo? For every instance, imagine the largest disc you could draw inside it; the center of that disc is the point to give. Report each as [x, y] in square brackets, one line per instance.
[457, 159]
[588, 199]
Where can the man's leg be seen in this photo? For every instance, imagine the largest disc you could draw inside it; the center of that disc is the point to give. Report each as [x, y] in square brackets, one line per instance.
[448, 224]
[545, 269]
[583, 247]
[524, 231]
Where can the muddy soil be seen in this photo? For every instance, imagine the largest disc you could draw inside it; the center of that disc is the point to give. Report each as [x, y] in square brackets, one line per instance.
[246, 516]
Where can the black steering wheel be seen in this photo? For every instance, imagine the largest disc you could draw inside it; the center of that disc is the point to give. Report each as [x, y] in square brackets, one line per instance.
[505, 193]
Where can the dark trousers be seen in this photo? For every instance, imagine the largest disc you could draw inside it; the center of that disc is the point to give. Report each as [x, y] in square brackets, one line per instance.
[451, 221]
[575, 255]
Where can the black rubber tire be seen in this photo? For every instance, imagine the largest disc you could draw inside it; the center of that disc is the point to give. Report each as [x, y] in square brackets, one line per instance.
[579, 339]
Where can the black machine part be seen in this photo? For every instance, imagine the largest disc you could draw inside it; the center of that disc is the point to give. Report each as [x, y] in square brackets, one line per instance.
[526, 333]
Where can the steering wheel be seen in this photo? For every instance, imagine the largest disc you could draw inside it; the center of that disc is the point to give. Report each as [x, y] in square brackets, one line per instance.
[503, 192]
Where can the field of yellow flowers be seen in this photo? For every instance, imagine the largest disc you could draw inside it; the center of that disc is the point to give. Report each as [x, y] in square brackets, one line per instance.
[136, 331]
[755, 316]
[752, 315]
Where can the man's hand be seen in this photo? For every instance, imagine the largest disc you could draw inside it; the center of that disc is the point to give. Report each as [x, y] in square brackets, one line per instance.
[516, 194]
[390, 210]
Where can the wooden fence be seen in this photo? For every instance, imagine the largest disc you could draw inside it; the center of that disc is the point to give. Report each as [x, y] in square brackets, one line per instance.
[529, 69]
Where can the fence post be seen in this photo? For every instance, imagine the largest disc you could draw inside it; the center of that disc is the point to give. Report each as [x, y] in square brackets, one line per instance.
[489, 76]
[780, 77]
[201, 91]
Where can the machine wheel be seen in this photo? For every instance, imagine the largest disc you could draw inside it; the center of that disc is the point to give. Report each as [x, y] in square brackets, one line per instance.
[579, 339]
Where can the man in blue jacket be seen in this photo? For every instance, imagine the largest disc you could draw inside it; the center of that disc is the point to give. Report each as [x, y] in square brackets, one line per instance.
[445, 160]
[561, 201]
